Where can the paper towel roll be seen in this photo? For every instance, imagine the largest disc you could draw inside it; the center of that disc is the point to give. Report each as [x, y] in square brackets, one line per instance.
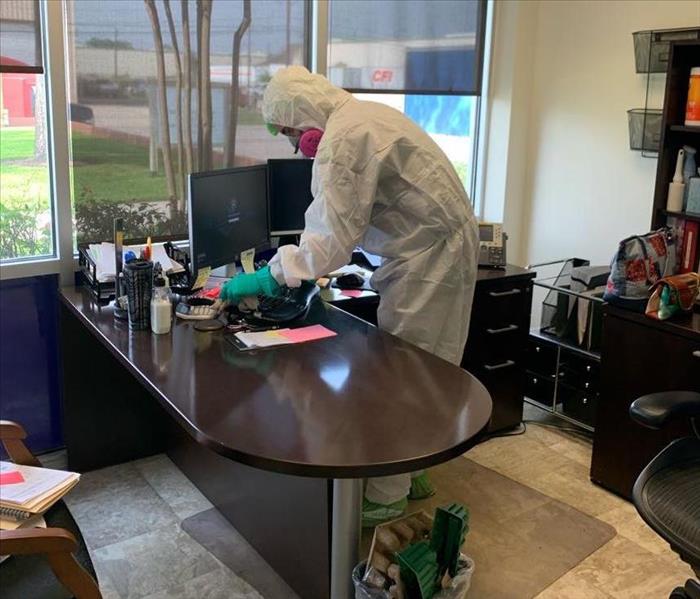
[674, 203]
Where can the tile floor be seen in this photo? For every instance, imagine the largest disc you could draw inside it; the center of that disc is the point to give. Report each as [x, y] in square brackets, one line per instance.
[635, 564]
[132, 524]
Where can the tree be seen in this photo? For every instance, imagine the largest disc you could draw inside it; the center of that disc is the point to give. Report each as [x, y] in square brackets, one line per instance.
[178, 109]
[162, 99]
[40, 120]
[204, 139]
[188, 85]
[230, 143]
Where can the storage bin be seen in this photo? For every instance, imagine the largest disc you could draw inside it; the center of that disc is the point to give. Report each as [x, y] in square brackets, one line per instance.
[652, 48]
[644, 129]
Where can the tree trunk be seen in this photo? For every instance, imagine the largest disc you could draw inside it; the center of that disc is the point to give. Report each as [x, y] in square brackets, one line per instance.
[40, 120]
[188, 85]
[230, 143]
[181, 176]
[162, 99]
[204, 134]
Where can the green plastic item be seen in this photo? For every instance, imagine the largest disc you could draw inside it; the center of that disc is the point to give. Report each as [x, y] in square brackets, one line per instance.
[419, 570]
[449, 530]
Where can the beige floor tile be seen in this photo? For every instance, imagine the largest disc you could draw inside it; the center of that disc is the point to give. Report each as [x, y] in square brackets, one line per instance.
[626, 570]
[578, 451]
[629, 524]
[572, 586]
[571, 485]
[636, 564]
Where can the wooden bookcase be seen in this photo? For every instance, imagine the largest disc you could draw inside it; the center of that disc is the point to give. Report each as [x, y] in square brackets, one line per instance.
[674, 134]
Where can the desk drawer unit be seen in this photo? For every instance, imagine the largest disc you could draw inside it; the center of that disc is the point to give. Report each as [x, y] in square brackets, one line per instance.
[495, 350]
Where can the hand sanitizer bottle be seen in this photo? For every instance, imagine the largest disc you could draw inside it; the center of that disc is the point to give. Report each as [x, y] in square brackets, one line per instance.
[161, 307]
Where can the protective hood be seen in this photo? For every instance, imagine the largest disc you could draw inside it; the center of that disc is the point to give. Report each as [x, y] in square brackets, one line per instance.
[300, 99]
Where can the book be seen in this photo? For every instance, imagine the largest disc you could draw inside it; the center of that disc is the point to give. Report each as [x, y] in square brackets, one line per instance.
[689, 247]
[26, 491]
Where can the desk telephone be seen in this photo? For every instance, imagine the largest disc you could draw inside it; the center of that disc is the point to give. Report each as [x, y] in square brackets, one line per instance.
[492, 245]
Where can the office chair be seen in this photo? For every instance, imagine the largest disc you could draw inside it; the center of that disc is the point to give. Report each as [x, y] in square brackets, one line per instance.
[46, 563]
[667, 492]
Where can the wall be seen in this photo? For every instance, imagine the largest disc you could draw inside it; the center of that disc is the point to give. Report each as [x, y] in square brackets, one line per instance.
[29, 368]
[572, 186]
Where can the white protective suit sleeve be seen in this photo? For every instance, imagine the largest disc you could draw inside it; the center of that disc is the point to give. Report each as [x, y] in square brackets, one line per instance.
[336, 221]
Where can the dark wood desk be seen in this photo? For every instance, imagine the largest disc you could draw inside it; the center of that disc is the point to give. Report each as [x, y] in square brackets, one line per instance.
[498, 334]
[264, 433]
[640, 356]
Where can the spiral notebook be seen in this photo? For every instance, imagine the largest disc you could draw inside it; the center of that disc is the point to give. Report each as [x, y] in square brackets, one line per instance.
[26, 491]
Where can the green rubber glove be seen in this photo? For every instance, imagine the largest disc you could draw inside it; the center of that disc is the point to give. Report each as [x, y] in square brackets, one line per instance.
[261, 281]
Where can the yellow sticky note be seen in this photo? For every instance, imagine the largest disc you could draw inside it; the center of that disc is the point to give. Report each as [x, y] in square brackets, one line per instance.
[202, 277]
[248, 261]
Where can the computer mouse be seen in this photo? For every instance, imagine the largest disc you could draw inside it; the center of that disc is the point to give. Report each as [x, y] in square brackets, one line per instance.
[350, 281]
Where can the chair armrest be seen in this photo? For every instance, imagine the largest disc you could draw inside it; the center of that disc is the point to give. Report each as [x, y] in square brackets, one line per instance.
[58, 544]
[655, 409]
[12, 436]
[24, 541]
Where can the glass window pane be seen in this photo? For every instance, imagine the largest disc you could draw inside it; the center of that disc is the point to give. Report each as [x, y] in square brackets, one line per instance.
[25, 203]
[20, 38]
[130, 129]
[406, 45]
[449, 120]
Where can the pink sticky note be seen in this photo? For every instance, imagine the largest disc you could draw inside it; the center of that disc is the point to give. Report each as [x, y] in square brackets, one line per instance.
[311, 333]
[351, 292]
[11, 478]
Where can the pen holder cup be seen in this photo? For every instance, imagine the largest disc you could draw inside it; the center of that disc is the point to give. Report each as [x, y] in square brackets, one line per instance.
[138, 279]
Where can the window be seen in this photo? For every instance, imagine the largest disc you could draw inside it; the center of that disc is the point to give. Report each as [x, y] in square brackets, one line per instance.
[423, 58]
[151, 97]
[26, 212]
[404, 46]
[450, 120]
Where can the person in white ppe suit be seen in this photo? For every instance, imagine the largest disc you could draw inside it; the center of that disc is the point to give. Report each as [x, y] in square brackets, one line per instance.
[380, 182]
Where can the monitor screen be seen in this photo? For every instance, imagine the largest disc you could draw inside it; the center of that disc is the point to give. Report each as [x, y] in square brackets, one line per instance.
[289, 185]
[227, 214]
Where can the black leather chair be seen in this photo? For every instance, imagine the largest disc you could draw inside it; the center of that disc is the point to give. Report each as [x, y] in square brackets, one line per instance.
[667, 492]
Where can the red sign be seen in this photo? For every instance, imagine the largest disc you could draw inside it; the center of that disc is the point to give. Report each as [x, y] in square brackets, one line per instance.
[382, 76]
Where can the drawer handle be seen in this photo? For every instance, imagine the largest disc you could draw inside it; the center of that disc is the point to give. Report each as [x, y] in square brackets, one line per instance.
[505, 364]
[508, 329]
[696, 353]
[515, 291]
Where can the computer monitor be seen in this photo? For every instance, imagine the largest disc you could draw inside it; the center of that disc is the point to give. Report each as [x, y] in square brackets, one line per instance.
[289, 189]
[228, 214]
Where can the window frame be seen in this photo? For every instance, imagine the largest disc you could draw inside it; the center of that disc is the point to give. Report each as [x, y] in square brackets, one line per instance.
[61, 261]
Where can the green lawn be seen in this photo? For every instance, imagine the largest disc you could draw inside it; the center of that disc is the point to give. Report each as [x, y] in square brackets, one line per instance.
[111, 171]
[16, 143]
[104, 170]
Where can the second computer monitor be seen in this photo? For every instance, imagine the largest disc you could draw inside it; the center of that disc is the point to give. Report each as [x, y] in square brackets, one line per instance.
[228, 214]
[289, 188]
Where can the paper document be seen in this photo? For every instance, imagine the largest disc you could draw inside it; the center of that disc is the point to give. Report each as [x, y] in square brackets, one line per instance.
[103, 256]
[285, 336]
[248, 261]
[33, 522]
[40, 488]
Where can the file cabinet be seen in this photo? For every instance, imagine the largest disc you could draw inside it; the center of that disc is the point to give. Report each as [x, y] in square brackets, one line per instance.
[498, 333]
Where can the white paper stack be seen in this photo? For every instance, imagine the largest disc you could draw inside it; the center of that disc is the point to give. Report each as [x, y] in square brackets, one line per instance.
[103, 255]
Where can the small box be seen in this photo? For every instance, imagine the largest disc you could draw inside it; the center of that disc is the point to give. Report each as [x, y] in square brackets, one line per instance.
[693, 201]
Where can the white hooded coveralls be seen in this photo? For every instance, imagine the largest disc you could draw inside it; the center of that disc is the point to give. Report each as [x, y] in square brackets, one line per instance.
[380, 182]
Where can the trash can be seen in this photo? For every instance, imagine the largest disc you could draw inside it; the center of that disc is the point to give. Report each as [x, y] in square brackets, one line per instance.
[459, 587]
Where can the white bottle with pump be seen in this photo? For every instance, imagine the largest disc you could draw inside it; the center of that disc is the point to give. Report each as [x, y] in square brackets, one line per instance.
[161, 307]
[676, 188]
